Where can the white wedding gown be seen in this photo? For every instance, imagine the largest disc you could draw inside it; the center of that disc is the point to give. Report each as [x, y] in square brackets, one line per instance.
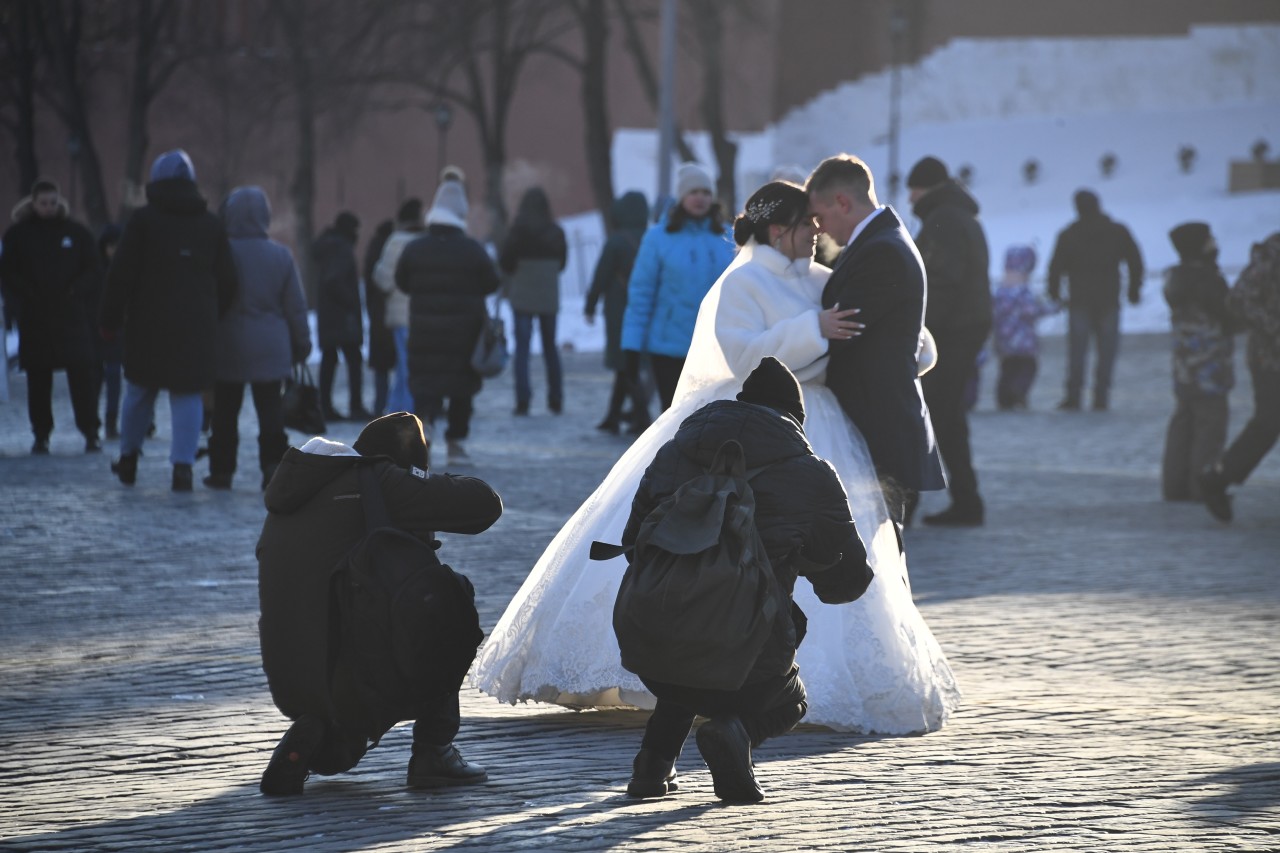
[868, 666]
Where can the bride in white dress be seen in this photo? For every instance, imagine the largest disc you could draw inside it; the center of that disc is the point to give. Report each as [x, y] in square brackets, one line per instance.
[868, 666]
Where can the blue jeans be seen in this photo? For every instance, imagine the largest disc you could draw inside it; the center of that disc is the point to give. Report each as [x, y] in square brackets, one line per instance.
[1103, 324]
[186, 414]
[400, 400]
[550, 358]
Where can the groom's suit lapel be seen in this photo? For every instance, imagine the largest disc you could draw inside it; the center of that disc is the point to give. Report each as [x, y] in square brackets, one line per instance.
[885, 220]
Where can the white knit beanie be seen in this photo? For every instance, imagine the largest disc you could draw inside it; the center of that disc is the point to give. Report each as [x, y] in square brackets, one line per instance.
[692, 177]
[449, 206]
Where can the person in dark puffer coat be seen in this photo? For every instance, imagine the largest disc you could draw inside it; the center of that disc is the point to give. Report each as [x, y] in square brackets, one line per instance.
[447, 276]
[802, 515]
[50, 274]
[958, 315]
[314, 517]
[170, 281]
[339, 313]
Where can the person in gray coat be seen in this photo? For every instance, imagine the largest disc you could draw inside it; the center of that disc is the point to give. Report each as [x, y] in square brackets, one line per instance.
[532, 258]
[259, 339]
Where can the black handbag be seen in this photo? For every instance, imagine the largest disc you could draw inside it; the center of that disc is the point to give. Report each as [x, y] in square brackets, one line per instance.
[490, 354]
[301, 402]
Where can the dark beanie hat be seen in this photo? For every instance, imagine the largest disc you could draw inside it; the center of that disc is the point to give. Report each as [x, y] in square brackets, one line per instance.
[399, 436]
[410, 212]
[928, 172]
[1190, 239]
[772, 385]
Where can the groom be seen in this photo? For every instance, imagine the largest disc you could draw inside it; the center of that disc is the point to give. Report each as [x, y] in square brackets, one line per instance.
[874, 375]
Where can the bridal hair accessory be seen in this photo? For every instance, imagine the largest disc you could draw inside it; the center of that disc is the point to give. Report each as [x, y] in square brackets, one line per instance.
[761, 210]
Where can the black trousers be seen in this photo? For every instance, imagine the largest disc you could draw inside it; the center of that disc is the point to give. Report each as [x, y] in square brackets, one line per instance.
[1195, 438]
[429, 406]
[224, 441]
[1260, 433]
[84, 399]
[1017, 373]
[767, 709]
[944, 392]
[666, 375]
[355, 375]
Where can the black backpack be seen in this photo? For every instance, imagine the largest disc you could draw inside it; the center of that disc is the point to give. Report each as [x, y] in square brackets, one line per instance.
[699, 599]
[409, 626]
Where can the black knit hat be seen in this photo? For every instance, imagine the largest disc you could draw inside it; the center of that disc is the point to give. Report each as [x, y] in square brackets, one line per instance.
[772, 384]
[398, 436]
[1190, 239]
[410, 213]
[928, 172]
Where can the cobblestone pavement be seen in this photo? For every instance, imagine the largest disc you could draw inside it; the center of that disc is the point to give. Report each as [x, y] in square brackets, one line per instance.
[1120, 659]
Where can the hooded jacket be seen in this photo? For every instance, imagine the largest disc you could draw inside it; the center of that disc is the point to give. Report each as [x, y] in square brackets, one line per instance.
[49, 271]
[314, 517]
[802, 512]
[339, 315]
[630, 215]
[265, 332]
[954, 249]
[172, 277]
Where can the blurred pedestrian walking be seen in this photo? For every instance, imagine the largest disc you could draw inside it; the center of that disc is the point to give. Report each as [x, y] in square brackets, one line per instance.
[532, 256]
[260, 338]
[109, 362]
[1255, 302]
[1088, 254]
[958, 314]
[629, 217]
[49, 271]
[679, 259]
[339, 314]
[1015, 312]
[382, 344]
[170, 280]
[447, 276]
[1203, 351]
[409, 227]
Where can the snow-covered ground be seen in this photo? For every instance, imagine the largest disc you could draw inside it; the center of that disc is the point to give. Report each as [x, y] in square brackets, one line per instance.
[992, 104]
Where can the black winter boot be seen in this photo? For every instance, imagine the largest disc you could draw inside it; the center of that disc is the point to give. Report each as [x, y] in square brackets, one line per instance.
[1213, 491]
[182, 477]
[726, 748]
[288, 768]
[126, 468]
[652, 776]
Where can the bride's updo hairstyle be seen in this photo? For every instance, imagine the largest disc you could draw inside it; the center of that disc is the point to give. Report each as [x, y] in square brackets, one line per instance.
[776, 203]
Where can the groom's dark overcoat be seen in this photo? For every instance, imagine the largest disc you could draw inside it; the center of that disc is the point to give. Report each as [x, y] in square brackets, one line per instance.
[874, 375]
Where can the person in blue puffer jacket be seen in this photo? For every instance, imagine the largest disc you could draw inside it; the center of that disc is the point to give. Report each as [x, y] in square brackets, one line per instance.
[679, 259]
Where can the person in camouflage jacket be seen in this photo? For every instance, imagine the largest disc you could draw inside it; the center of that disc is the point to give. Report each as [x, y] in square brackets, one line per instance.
[1255, 303]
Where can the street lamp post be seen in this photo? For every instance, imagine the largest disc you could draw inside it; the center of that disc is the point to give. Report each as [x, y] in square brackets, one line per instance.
[444, 117]
[73, 149]
[897, 31]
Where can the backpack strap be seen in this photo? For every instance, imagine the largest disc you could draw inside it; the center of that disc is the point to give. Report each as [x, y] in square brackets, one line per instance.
[375, 507]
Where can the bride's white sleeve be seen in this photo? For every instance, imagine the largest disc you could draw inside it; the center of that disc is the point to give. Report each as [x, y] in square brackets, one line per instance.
[745, 336]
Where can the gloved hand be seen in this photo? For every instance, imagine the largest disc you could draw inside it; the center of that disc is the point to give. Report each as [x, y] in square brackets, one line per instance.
[828, 539]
